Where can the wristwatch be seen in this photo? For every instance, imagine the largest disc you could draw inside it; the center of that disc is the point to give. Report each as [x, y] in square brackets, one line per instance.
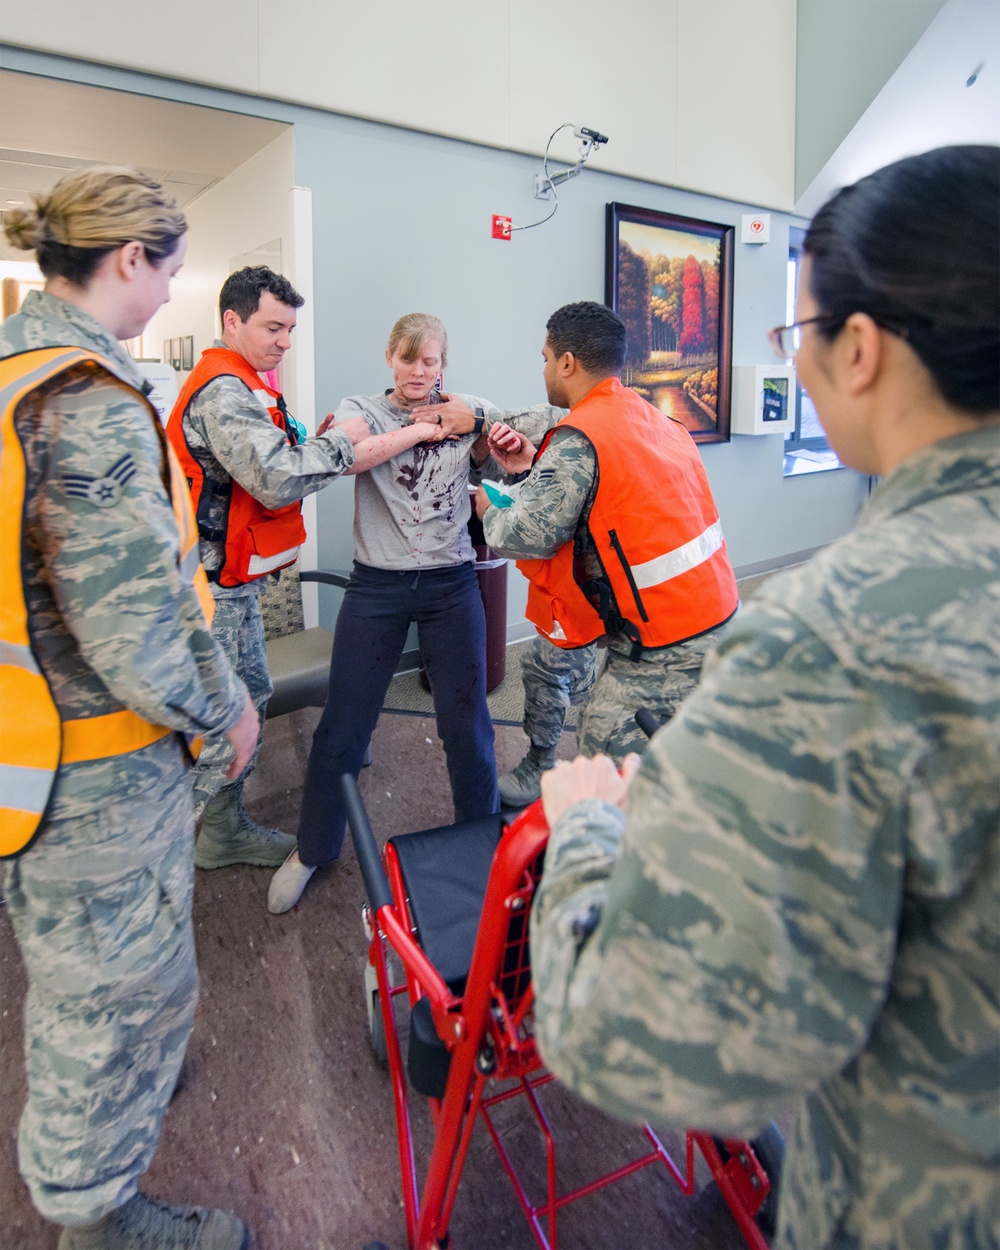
[479, 422]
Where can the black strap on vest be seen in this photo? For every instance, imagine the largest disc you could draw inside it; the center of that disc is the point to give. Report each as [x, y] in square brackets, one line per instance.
[288, 422]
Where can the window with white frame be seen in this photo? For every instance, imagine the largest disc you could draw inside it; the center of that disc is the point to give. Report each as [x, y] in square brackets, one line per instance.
[806, 447]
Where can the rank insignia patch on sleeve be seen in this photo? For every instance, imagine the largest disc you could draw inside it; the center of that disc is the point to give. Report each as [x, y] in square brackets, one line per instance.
[103, 492]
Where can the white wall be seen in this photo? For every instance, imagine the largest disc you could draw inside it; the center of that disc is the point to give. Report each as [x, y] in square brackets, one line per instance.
[256, 204]
[693, 93]
[945, 91]
[839, 73]
[249, 208]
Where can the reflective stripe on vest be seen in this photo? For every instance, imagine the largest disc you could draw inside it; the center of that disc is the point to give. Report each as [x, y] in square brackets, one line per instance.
[33, 739]
[257, 565]
[680, 560]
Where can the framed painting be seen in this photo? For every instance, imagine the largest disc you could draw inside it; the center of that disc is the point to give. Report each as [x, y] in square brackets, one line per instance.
[670, 279]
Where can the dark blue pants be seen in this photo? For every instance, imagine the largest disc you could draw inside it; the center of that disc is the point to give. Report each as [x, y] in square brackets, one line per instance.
[378, 607]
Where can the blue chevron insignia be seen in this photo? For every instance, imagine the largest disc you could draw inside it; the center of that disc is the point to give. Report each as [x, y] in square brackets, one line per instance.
[104, 491]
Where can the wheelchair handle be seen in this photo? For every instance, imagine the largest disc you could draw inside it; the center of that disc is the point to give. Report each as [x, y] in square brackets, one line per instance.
[328, 577]
[647, 721]
[365, 846]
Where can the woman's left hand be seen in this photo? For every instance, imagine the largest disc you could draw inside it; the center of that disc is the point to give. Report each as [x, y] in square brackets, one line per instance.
[597, 778]
[431, 431]
[512, 451]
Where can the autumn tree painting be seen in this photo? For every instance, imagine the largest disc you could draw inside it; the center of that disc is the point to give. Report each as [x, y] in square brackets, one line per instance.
[670, 280]
[692, 340]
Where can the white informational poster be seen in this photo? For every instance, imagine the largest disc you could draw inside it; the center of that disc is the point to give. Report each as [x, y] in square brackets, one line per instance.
[162, 376]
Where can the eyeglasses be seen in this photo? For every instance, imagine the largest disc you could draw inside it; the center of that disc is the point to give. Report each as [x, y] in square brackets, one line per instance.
[786, 340]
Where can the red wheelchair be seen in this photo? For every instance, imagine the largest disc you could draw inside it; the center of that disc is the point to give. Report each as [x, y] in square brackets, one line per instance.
[453, 904]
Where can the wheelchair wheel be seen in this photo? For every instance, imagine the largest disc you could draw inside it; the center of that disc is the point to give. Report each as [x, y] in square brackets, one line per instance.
[376, 1025]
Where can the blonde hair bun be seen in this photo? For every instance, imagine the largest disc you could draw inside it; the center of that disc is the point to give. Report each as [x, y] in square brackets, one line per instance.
[24, 228]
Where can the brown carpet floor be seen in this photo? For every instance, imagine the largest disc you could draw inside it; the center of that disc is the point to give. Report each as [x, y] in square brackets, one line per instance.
[285, 1116]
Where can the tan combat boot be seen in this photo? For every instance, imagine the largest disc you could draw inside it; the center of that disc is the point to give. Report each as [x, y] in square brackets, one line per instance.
[229, 835]
[523, 784]
[144, 1224]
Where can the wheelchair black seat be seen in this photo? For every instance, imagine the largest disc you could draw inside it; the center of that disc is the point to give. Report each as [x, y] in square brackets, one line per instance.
[445, 871]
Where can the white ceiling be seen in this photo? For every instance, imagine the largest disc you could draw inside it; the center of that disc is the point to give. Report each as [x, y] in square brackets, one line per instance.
[928, 102]
[48, 127]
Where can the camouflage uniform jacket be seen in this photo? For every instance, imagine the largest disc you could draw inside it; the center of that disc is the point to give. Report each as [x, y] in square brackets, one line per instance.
[803, 902]
[554, 501]
[84, 561]
[231, 435]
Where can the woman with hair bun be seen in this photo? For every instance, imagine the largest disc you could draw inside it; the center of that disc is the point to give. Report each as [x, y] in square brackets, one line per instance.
[802, 904]
[107, 670]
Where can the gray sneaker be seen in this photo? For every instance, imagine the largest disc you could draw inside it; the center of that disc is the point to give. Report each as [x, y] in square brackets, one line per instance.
[523, 784]
[145, 1224]
[229, 836]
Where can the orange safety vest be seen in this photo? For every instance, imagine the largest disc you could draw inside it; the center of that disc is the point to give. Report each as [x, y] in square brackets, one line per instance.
[654, 526]
[34, 740]
[258, 540]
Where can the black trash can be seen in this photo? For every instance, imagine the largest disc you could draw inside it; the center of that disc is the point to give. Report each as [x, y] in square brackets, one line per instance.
[491, 572]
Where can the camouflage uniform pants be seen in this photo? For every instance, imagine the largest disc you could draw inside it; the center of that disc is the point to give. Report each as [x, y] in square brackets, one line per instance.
[554, 680]
[101, 907]
[238, 628]
[660, 680]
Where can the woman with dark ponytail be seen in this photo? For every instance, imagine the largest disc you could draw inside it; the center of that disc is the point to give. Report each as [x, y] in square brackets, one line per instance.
[904, 249]
[801, 905]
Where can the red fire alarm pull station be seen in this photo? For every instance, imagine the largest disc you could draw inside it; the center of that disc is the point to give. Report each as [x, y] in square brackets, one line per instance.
[501, 227]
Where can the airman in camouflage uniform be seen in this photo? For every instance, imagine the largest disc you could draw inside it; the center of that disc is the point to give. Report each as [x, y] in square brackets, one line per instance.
[226, 428]
[231, 434]
[554, 678]
[101, 902]
[554, 504]
[804, 899]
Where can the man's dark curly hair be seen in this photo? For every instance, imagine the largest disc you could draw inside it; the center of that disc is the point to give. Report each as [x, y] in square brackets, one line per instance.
[593, 333]
[242, 290]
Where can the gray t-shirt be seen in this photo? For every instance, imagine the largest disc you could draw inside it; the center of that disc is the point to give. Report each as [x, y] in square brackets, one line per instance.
[411, 512]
